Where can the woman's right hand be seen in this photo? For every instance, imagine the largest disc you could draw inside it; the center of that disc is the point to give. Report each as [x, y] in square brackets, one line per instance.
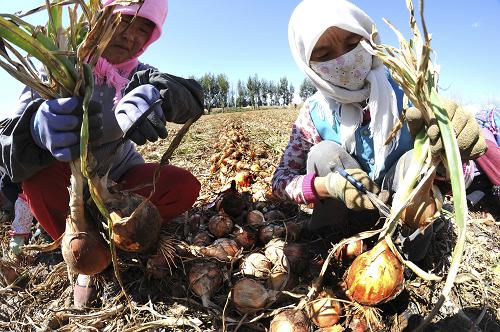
[336, 186]
[56, 126]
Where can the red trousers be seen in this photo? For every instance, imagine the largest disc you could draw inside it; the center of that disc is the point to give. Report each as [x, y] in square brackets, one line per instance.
[490, 161]
[48, 198]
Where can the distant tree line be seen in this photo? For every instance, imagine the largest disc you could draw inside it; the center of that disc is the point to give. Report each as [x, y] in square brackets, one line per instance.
[255, 92]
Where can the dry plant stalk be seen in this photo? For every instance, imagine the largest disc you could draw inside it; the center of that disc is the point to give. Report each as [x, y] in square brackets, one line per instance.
[412, 69]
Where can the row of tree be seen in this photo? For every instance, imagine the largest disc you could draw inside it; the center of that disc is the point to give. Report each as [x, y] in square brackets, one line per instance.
[254, 92]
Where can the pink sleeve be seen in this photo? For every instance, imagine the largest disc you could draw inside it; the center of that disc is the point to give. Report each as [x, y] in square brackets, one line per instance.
[290, 181]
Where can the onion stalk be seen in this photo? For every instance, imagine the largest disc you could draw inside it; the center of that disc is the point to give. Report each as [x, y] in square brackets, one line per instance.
[412, 69]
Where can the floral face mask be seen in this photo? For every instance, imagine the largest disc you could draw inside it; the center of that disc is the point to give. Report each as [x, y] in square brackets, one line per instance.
[348, 71]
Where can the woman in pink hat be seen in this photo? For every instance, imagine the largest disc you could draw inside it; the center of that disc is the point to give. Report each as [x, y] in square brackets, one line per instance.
[43, 135]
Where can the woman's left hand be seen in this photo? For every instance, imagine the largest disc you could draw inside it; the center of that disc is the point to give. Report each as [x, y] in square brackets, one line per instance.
[470, 139]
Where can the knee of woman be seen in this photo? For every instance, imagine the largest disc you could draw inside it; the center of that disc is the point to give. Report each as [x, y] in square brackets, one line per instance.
[188, 188]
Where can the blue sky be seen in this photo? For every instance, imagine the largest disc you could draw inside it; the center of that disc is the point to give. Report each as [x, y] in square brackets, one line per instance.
[246, 37]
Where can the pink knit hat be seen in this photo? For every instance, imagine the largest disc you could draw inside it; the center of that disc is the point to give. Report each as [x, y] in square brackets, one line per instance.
[154, 10]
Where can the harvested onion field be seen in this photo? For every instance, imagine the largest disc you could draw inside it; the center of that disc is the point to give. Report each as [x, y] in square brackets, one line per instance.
[202, 290]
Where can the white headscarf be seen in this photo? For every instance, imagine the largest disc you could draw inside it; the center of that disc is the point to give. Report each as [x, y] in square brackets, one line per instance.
[310, 19]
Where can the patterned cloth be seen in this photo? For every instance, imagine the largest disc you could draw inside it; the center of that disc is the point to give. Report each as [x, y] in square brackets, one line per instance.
[23, 218]
[490, 120]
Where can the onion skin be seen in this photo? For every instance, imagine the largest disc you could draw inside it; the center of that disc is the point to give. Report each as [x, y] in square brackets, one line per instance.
[419, 213]
[136, 227]
[250, 296]
[8, 273]
[255, 218]
[274, 215]
[204, 279]
[375, 276]
[334, 328]
[324, 311]
[223, 249]
[83, 248]
[244, 236]
[290, 320]
[256, 265]
[220, 225]
[230, 201]
[350, 251]
[269, 232]
[274, 250]
[202, 239]
[85, 252]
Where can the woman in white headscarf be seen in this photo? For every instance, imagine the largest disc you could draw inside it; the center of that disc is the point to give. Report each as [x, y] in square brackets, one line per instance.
[346, 122]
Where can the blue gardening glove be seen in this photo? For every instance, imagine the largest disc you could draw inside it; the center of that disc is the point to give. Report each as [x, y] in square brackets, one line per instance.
[57, 123]
[15, 244]
[138, 120]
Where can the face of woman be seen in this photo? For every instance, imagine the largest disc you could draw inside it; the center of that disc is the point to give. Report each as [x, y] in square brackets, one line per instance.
[130, 37]
[333, 43]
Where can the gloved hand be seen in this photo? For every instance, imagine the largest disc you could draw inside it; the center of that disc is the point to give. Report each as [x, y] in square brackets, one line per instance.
[338, 187]
[470, 140]
[131, 115]
[15, 244]
[57, 123]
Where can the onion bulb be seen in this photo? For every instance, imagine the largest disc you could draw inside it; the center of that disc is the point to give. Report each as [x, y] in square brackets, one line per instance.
[250, 296]
[8, 271]
[136, 221]
[255, 218]
[290, 320]
[204, 279]
[375, 276]
[281, 280]
[350, 251]
[297, 255]
[269, 232]
[274, 250]
[243, 178]
[202, 239]
[325, 310]
[244, 236]
[421, 211]
[274, 215]
[230, 201]
[220, 225]
[256, 265]
[223, 249]
[83, 248]
[195, 222]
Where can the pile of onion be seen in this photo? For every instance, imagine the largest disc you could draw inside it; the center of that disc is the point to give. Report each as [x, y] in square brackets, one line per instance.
[375, 276]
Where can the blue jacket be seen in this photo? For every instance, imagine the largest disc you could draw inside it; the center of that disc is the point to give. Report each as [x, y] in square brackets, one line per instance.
[364, 151]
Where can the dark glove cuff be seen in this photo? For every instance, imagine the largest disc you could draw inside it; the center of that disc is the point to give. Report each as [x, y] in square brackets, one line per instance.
[29, 115]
